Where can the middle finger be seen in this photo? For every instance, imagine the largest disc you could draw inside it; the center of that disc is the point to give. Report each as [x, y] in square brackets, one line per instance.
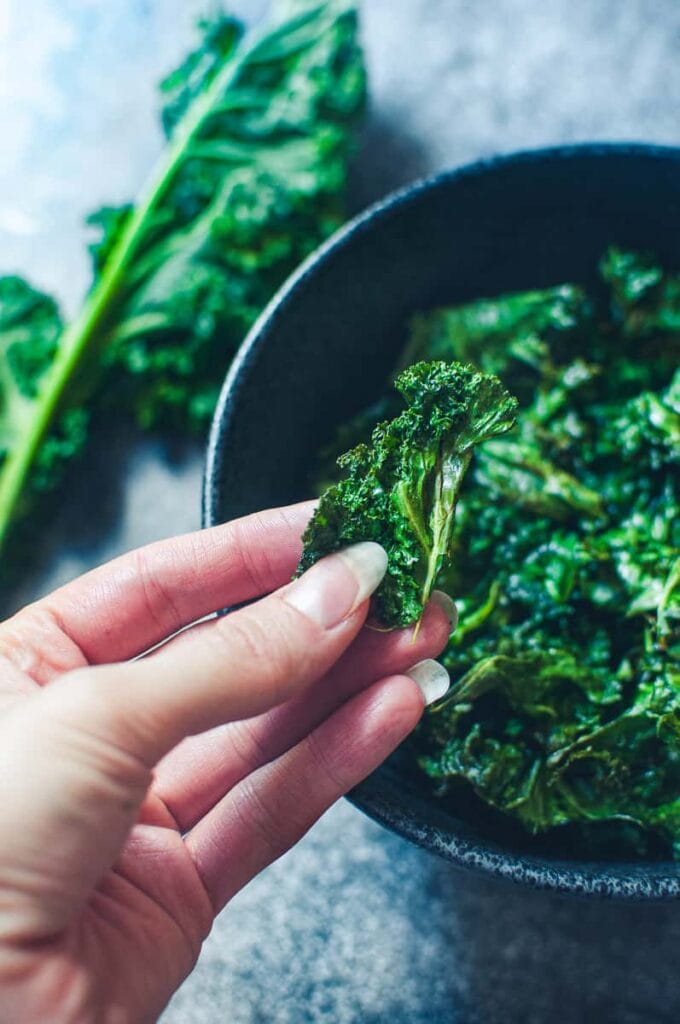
[197, 773]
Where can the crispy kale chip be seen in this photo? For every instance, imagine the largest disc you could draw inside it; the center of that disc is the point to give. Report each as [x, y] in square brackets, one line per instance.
[538, 740]
[644, 297]
[566, 662]
[495, 334]
[509, 336]
[401, 489]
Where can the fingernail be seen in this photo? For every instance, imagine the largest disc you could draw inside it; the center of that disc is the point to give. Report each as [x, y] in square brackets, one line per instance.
[432, 679]
[331, 590]
[447, 605]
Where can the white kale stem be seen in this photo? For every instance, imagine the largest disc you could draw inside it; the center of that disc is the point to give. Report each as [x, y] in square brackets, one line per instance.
[447, 483]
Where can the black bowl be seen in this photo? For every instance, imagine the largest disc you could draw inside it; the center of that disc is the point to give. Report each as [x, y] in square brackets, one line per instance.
[325, 344]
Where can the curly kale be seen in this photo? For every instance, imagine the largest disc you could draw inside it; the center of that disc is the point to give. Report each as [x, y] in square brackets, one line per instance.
[536, 738]
[401, 489]
[259, 132]
[644, 299]
[30, 325]
[564, 711]
[259, 185]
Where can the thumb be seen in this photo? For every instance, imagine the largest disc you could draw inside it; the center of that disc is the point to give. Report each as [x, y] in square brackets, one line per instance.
[76, 757]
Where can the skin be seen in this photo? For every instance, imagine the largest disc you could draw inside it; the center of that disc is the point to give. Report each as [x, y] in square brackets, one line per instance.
[140, 796]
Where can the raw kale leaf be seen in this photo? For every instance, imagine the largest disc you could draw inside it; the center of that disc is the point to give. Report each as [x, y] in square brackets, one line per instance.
[260, 129]
[30, 325]
[256, 188]
[402, 489]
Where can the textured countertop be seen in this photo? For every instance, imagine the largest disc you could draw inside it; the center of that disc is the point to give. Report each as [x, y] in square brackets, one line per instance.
[354, 926]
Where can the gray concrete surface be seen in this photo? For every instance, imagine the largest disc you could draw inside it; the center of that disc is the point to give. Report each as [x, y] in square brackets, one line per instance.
[354, 926]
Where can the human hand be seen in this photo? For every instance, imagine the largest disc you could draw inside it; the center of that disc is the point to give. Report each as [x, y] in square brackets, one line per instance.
[122, 838]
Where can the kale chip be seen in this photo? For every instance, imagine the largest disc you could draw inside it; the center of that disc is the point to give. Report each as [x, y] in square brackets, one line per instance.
[401, 489]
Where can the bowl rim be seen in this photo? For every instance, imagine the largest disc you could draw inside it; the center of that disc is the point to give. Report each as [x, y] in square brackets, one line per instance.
[625, 880]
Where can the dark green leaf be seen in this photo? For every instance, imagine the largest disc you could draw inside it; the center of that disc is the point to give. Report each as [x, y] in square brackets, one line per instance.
[564, 711]
[252, 179]
[401, 491]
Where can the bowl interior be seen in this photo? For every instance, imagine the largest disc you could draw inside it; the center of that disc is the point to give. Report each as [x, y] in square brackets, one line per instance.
[325, 345]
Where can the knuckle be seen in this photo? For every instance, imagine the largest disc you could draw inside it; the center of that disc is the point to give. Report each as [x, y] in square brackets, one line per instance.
[36, 641]
[159, 603]
[246, 746]
[252, 558]
[261, 551]
[244, 636]
[324, 766]
[263, 818]
[270, 641]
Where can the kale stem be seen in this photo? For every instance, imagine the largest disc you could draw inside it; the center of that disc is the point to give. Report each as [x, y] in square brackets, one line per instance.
[447, 486]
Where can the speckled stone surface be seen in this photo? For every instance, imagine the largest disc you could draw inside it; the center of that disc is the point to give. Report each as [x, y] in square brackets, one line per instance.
[354, 926]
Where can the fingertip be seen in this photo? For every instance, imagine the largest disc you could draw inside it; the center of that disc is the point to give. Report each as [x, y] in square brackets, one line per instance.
[395, 705]
[447, 605]
[431, 678]
[334, 588]
[434, 632]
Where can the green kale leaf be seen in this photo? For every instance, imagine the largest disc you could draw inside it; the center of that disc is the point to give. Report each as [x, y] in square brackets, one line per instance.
[30, 325]
[537, 741]
[260, 129]
[511, 331]
[644, 297]
[402, 489]
[510, 337]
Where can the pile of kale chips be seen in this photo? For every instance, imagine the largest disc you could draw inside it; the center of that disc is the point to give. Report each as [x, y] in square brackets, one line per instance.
[563, 719]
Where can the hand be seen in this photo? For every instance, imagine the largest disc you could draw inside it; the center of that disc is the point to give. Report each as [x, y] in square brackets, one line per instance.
[122, 838]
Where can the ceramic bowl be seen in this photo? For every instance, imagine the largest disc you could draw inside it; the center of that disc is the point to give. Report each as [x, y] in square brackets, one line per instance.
[323, 347]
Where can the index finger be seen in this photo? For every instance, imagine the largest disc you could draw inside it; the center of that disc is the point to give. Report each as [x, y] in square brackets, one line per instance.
[126, 606]
[99, 731]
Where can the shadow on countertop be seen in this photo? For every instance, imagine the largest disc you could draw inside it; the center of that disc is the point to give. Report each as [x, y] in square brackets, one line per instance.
[387, 159]
[529, 956]
[85, 521]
